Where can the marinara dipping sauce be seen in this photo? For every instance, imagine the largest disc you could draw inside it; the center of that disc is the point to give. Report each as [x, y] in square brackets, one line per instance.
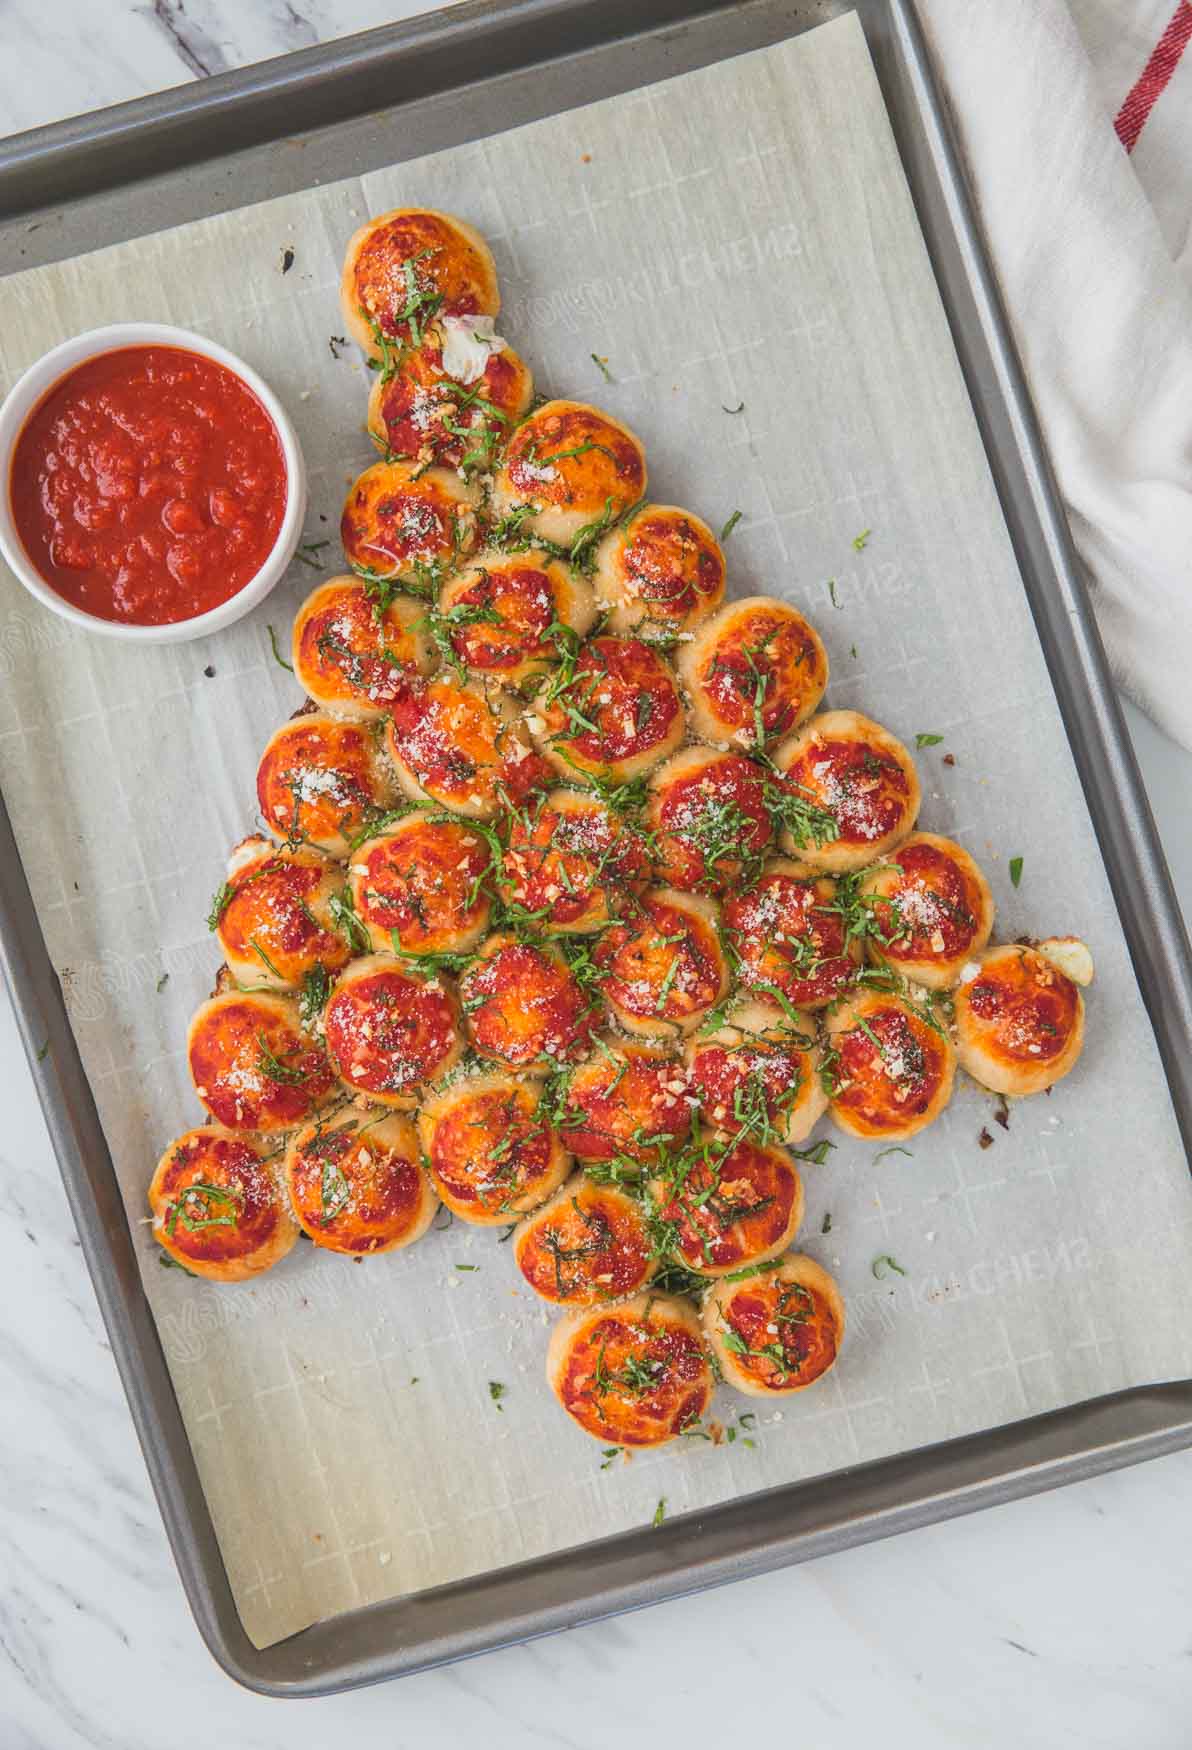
[149, 485]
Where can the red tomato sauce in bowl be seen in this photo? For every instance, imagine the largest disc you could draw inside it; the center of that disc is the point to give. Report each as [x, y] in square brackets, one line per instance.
[148, 485]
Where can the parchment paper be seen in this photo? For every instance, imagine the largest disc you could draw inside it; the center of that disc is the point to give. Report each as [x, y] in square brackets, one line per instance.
[742, 233]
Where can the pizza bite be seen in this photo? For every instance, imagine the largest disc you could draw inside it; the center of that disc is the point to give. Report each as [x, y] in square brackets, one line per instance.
[589, 1243]
[663, 967]
[355, 656]
[708, 814]
[728, 1203]
[614, 712]
[253, 1065]
[321, 781]
[419, 887]
[633, 1374]
[889, 1067]
[422, 412]
[464, 747]
[489, 1149]
[390, 1031]
[929, 910]
[408, 527]
[852, 791]
[753, 672]
[571, 863]
[272, 916]
[1019, 1014]
[627, 1102]
[776, 1332]
[659, 573]
[217, 1208]
[790, 937]
[505, 615]
[524, 1005]
[407, 268]
[758, 1073]
[569, 471]
[356, 1184]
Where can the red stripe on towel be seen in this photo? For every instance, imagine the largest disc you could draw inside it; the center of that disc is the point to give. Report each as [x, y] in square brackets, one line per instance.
[1153, 80]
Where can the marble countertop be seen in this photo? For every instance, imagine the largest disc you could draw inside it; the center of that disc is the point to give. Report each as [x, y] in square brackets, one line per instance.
[1066, 1619]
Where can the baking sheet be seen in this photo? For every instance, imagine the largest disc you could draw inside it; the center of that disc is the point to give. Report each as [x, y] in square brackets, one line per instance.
[742, 233]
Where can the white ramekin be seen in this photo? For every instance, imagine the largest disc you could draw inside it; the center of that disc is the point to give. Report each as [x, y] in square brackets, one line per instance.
[29, 390]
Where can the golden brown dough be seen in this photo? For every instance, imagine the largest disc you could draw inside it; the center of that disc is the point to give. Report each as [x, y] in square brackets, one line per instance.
[273, 917]
[569, 471]
[778, 1331]
[889, 1068]
[759, 1072]
[356, 1184]
[663, 968]
[848, 768]
[589, 1243]
[634, 1374]
[406, 268]
[930, 910]
[216, 1206]
[354, 656]
[1019, 1017]
[661, 572]
[754, 672]
[489, 1148]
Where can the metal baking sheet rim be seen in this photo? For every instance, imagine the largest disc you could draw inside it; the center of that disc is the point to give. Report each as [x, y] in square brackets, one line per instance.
[778, 1526]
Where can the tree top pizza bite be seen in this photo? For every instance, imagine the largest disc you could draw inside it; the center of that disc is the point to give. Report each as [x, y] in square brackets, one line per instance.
[663, 967]
[408, 526]
[355, 656]
[253, 1065]
[504, 614]
[390, 1031]
[857, 774]
[589, 1243]
[356, 1184]
[571, 862]
[419, 887]
[217, 1209]
[778, 1331]
[759, 1071]
[423, 413]
[1019, 1014]
[614, 712]
[273, 918]
[635, 1373]
[889, 1067]
[930, 908]
[753, 672]
[660, 572]
[409, 267]
[489, 1148]
[321, 781]
[568, 469]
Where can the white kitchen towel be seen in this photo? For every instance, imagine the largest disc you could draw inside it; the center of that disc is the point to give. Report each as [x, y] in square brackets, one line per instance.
[1088, 223]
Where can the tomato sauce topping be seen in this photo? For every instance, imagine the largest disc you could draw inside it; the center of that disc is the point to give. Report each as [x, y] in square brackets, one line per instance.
[352, 1191]
[422, 884]
[930, 909]
[766, 669]
[501, 620]
[663, 965]
[732, 1206]
[491, 1150]
[1027, 1006]
[267, 917]
[788, 938]
[461, 748]
[216, 1200]
[415, 267]
[524, 1005]
[635, 1379]
[629, 1102]
[424, 416]
[709, 823]
[865, 788]
[388, 1032]
[669, 567]
[737, 1084]
[567, 859]
[587, 1247]
[317, 780]
[571, 456]
[352, 650]
[253, 1068]
[396, 525]
[621, 702]
[785, 1332]
[888, 1083]
[149, 485]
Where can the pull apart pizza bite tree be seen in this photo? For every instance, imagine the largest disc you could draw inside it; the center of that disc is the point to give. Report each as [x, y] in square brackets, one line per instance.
[577, 908]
